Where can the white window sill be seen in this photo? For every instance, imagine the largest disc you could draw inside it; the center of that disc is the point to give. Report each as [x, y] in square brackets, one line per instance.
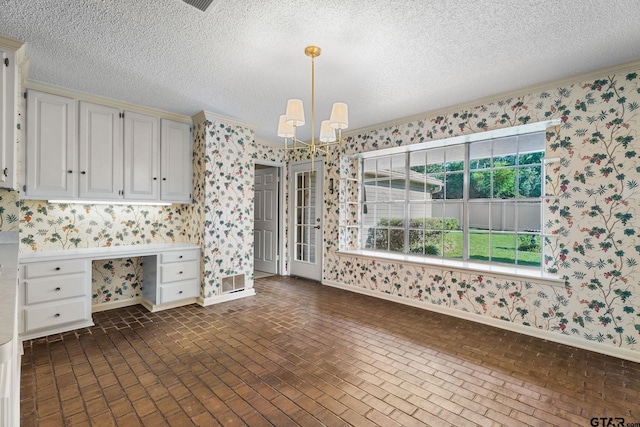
[497, 270]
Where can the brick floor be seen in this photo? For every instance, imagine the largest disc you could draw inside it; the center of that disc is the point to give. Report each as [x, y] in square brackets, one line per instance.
[300, 353]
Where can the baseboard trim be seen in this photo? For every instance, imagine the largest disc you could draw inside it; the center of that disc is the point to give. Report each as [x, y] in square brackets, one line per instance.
[58, 330]
[226, 297]
[160, 307]
[95, 308]
[621, 353]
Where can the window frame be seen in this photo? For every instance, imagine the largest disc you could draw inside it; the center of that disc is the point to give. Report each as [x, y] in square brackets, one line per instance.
[466, 202]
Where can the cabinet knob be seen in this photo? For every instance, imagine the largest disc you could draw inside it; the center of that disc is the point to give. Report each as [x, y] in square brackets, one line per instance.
[57, 268]
[83, 172]
[57, 289]
[69, 171]
[155, 178]
[164, 179]
[180, 257]
[180, 292]
[180, 272]
[56, 315]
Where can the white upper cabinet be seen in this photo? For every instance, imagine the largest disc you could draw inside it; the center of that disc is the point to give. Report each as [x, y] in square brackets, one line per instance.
[176, 164]
[141, 156]
[52, 152]
[8, 112]
[79, 150]
[100, 152]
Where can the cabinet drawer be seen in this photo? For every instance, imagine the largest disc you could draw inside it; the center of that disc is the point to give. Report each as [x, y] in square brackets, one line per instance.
[175, 256]
[50, 315]
[54, 268]
[179, 271]
[178, 291]
[55, 288]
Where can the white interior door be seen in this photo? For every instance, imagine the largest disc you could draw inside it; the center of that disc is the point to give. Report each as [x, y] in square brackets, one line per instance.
[305, 210]
[265, 220]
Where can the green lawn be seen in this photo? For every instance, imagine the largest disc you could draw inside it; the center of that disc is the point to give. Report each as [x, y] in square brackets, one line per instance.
[502, 249]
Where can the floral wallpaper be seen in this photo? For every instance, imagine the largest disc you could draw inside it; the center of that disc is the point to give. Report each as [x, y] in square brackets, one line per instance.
[9, 211]
[60, 226]
[56, 226]
[591, 203]
[224, 196]
[116, 279]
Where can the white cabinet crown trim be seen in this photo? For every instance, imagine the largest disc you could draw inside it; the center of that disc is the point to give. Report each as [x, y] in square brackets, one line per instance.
[103, 100]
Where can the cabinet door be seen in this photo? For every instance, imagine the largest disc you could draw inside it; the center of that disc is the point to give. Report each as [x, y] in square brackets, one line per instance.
[8, 133]
[176, 164]
[141, 156]
[100, 152]
[51, 161]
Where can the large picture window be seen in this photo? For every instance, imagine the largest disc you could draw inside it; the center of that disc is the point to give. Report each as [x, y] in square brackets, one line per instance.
[471, 201]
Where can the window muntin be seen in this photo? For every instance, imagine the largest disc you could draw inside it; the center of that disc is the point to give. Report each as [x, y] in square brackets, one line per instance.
[474, 201]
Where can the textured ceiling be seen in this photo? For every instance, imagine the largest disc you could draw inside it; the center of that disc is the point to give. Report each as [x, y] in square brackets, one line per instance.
[386, 59]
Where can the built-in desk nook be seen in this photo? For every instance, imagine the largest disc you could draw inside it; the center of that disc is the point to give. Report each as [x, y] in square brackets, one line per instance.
[55, 286]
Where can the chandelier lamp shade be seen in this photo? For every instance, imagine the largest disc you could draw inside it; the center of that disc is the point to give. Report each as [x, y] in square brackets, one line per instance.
[294, 117]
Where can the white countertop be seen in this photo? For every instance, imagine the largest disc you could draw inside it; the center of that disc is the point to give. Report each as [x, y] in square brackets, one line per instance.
[8, 286]
[111, 252]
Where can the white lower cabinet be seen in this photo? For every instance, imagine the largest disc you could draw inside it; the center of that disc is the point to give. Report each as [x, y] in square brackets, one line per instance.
[54, 293]
[170, 277]
[178, 291]
[10, 356]
[54, 297]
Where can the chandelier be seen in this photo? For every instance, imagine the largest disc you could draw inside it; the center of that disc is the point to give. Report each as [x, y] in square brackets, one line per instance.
[294, 117]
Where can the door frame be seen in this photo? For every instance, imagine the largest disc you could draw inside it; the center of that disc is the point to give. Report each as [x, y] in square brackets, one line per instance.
[319, 165]
[282, 218]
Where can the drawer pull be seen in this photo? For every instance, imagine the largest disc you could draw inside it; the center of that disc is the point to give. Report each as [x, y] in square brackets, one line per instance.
[57, 268]
[57, 289]
[56, 315]
[180, 292]
[180, 272]
[180, 257]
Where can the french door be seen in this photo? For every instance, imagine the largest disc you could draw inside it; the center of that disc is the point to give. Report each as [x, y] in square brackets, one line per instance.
[305, 211]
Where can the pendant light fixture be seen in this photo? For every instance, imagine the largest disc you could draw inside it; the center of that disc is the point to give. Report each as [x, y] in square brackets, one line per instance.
[294, 117]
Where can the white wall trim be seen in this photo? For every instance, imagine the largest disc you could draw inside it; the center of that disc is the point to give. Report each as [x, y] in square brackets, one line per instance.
[215, 117]
[96, 308]
[495, 270]
[226, 297]
[569, 340]
[271, 144]
[10, 43]
[103, 100]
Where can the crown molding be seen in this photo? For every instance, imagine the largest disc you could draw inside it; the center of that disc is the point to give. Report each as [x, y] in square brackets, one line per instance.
[215, 117]
[10, 43]
[272, 144]
[103, 100]
[24, 63]
[552, 84]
